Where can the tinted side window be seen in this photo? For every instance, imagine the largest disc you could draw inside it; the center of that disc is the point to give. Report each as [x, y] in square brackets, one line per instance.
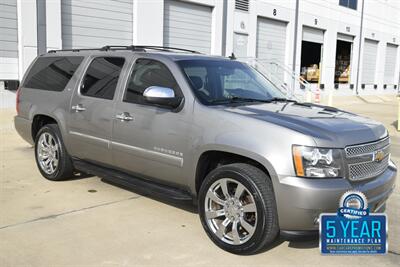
[102, 76]
[146, 73]
[52, 73]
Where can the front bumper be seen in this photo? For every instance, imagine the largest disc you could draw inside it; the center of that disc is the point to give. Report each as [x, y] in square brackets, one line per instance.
[301, 200]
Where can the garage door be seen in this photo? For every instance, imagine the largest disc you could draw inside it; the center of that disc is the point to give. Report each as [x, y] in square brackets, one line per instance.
[345, 37]
[94, 23]
[313, 35]
[8, 40]
[369, 61]
[187, 25]
[271, 42]
[390, 63]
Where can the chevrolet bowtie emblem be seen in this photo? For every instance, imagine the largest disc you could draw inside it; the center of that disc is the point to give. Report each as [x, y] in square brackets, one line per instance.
[379, 155]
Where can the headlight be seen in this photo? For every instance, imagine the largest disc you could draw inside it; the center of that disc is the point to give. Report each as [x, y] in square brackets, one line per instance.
[317, 162]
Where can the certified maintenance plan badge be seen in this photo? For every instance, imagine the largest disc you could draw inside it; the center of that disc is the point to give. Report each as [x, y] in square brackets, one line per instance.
[353, 230]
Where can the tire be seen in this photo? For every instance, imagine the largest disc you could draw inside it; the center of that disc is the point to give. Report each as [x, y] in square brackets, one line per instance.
[253, 211]
[59, 169]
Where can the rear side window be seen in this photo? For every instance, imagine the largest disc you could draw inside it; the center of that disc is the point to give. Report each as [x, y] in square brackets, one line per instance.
[146, 73]
[102, 76]
[52, 73]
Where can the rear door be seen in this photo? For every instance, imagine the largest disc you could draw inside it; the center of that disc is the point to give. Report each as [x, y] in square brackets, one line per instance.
[92, 109]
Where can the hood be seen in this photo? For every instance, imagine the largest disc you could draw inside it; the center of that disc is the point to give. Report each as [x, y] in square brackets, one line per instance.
[330, 127]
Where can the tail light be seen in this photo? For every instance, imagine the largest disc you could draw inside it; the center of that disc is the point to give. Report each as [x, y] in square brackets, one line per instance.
[17, 100]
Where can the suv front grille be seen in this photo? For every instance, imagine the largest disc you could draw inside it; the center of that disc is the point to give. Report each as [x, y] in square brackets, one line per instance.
[367, 170]
[366, 148]
[367, 160]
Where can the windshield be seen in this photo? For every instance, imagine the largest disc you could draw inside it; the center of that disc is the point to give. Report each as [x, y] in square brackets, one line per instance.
[222, 81]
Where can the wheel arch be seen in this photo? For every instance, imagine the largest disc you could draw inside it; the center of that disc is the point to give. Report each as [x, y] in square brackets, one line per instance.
[40, 120]
[209, 159]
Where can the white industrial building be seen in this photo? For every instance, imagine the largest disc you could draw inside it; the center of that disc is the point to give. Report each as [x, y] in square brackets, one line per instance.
[349, 46]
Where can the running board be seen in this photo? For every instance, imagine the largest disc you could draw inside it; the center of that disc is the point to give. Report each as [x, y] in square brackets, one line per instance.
[139, 185]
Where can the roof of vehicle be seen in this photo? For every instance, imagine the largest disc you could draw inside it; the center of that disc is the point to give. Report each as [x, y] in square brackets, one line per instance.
[170, 52]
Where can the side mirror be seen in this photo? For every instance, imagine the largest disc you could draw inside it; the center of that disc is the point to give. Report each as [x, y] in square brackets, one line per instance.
[162, 96]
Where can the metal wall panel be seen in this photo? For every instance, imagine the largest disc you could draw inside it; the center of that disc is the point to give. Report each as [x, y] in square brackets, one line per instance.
[8, 29]
[187, 25]
[313, 35]
[369, 61]
[92, 23]
[390, 63]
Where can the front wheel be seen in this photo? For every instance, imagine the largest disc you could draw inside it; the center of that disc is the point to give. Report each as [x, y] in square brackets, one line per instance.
[237, 208]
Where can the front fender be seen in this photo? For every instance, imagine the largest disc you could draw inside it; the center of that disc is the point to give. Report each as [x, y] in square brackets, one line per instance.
[266, 143]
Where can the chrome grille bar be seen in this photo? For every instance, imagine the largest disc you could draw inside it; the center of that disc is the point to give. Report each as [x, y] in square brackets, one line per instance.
[368, 160]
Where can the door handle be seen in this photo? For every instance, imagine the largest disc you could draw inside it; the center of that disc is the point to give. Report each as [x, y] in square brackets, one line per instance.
[78, 108]
[124, 116]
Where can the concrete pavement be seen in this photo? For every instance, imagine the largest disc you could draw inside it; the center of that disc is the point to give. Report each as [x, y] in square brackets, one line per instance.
[87, 222]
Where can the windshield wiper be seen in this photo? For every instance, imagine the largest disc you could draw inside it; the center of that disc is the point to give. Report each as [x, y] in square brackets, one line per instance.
[237, 99]
[281, 99]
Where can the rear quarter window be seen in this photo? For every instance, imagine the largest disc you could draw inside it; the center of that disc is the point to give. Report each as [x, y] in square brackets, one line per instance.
[52, 73]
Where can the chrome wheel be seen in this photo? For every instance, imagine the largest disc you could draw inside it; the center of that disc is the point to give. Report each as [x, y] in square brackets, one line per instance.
[230, 211]
[48, 153]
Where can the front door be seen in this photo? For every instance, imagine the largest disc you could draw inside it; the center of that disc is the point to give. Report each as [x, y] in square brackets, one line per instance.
[92, 110]
[150, 140]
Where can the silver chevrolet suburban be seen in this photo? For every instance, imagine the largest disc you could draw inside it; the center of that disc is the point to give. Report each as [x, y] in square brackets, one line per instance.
[212, 130]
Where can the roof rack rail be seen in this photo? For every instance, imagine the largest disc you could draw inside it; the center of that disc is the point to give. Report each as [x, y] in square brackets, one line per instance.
[167, 48]
[72, 50]
[121, 47]
[127, 47]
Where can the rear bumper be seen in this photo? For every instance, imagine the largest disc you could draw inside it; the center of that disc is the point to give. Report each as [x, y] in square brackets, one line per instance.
[300, 201]
[24, 128]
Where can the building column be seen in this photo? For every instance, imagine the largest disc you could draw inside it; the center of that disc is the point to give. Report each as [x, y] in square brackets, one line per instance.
[148, 22]
[27, 34]
[354, 62]
[217, 28]
[397, 70]
[380, 64]
[53, 25]
[329, 58]
[230, 27]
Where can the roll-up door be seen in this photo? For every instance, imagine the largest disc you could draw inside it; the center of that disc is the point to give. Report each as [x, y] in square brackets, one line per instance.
[313, 35]
[271, 40]
[271, 43]
[345, 37]
[8, 40]
[94, 23]
[390, 63]
[369, 61]
[187, 25]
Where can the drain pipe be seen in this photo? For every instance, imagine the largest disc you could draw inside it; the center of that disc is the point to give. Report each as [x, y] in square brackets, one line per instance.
[224, 26]
[359, 46]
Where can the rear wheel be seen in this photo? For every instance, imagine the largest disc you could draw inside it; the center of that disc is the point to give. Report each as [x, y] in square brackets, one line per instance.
[52, 159]
[237, 208]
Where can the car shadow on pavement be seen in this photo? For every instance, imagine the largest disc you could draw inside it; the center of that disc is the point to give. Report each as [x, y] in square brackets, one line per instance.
[81, 175]
[305, 242]
[277, 242]
[183, 205]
